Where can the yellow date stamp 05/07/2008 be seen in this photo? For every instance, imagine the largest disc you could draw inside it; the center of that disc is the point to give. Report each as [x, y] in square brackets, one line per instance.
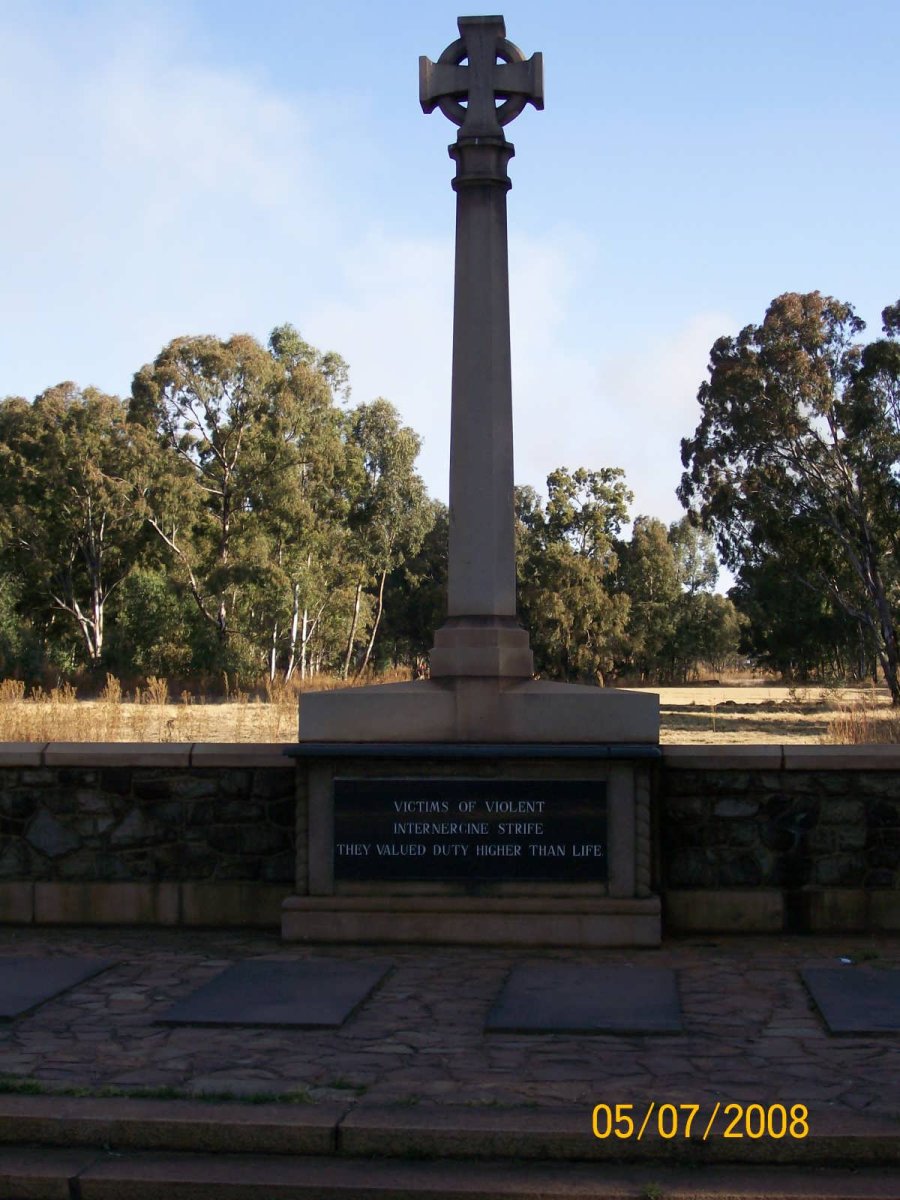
[693, 1121]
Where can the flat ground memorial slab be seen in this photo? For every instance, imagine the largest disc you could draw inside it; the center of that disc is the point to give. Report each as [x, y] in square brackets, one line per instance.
[27, 982]
[313, 994]
[559, 997]
[855, 1000]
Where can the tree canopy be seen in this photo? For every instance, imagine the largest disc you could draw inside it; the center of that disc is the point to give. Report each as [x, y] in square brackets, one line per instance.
[795, 459]
[237, 516]
[69, 530]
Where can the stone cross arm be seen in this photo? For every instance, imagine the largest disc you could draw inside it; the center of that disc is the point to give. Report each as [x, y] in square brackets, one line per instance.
[515, 80]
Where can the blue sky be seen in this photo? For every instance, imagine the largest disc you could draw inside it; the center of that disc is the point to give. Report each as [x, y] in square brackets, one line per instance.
[215, 167]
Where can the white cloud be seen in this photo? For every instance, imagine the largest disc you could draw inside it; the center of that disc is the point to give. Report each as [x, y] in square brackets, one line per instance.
[178, 133]
[576, 401]
[552, 365]
[394, 329]
[647, 402]
[589, 394]
[396, 333]
[152, 196]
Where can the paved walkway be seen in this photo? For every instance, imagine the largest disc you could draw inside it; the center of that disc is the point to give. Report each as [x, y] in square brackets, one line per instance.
[751, 1032]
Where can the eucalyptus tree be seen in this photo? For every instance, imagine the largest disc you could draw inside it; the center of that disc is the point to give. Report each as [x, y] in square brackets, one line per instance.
[248, 439]
[797, 630]
[69, 529]
[795, 458]
[314, 474]
[695, 553]
[208, 402]
[390, 514]
[566, 553]
[650, 575]
[416, 596]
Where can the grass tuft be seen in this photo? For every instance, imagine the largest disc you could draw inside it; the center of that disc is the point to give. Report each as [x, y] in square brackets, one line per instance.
[864, 722]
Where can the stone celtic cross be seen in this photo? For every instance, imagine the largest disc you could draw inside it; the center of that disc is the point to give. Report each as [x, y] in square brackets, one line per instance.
[482, 637]
[515, 80]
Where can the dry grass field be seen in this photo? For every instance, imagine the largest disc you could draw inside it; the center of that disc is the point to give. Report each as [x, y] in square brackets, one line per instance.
[746, 712]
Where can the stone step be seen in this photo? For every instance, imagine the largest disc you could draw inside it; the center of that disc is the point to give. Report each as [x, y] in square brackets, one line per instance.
[128, 1124]
[499, 921]
[422, 1133]
[60, 1175]
[566, 1135]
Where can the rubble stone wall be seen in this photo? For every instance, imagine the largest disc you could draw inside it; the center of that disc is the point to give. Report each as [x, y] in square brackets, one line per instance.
[746, 838]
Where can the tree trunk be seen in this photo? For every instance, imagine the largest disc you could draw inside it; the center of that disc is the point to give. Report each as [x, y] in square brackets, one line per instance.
[304, 643]
[97, 606]
[890, 660]
[295, 612]
[93, 636]
[308, 629]
[352, 637]
[273, 653]
[378, 611]
[887, 657]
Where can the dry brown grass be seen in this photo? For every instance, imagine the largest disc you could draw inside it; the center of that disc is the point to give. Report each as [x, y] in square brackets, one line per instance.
[149, 714]
[863, 722]
[772, 713]
[708, 714]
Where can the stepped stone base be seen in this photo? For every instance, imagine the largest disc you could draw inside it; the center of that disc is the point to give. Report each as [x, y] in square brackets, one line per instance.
[479, 710]
[496, 647]
[598, 921]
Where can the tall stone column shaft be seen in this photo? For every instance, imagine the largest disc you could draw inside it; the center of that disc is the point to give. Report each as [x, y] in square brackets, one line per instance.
[482, 532]
[481, 637]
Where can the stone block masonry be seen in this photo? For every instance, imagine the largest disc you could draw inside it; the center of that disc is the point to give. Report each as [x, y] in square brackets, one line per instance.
[115, 833]
[801, 839]
[746, 838]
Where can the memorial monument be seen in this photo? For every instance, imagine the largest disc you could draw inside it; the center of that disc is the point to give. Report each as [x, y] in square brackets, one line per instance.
[481, 739]
[481, 687]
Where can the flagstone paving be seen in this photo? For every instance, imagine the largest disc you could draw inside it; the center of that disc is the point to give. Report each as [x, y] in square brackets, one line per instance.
[751, 1032]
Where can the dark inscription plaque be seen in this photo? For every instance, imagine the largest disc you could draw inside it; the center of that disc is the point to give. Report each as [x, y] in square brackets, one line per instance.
[470, 829]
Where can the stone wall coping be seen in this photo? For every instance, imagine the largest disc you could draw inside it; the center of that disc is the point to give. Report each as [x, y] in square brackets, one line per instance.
[874, 757]
[242, 754]
[787, 757]
[146, 754]
[116, 754]
[723, 758]
[22, 754]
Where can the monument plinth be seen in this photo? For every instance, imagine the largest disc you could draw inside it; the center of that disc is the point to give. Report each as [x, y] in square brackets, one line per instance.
[481, 687]
[480, 805]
